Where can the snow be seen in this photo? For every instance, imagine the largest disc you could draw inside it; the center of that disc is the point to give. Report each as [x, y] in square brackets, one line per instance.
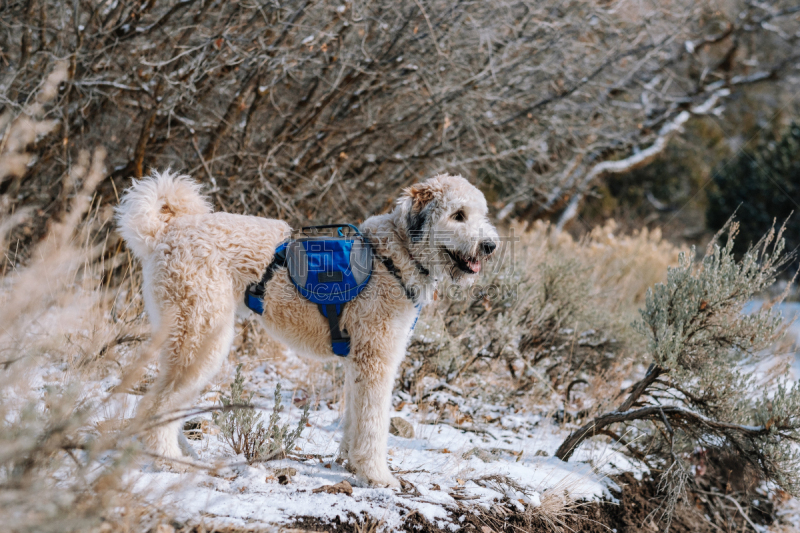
[444, 468]
[439, 467]
[433, 464]
[438, 470]
[791, 315]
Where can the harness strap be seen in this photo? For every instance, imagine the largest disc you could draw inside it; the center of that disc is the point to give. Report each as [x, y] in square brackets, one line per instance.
[394, 271]
[340, 339]
[422, 270]
[254, 295]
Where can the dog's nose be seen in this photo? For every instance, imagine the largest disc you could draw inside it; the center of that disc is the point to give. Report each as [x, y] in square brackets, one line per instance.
[488, 247]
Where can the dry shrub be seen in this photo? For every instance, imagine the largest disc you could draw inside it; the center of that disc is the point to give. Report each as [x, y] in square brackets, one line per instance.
[312, 110]
[242, 427]
[623, 266]
[56, 460]
[554, 509]
[60, 469]
[703, 405]
[551, 313]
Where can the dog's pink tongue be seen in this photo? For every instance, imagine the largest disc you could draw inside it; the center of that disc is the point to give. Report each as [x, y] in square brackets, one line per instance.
[475, 266]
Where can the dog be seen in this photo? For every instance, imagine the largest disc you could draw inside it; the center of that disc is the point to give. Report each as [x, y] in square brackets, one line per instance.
[197, 264]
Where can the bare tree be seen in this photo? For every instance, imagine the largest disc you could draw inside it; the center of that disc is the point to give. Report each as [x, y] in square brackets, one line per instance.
[315, 110]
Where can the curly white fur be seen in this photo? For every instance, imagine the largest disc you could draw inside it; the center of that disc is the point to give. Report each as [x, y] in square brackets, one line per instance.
[197, 264]
[148, 206]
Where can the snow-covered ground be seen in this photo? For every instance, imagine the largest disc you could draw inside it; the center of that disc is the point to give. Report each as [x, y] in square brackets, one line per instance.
[445, 470]
[442, 468]
[450, 467]
[791, 314]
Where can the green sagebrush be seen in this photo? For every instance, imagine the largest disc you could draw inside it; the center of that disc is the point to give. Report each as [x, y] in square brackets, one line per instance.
[702, 392]
[243, 429]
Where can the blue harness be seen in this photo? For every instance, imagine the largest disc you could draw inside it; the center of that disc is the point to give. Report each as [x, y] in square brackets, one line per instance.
[328, 271]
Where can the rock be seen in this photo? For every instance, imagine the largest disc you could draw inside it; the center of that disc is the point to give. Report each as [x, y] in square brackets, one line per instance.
[342, 487]
[401, 428]
[300, 398]
[285, 475]
[484, 455]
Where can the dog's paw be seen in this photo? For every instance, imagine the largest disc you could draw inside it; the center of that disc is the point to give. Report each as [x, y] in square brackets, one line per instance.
[342, 456]
[164, 464]
[179, 468]
[378, 479]
[349, 467]
[388, 481]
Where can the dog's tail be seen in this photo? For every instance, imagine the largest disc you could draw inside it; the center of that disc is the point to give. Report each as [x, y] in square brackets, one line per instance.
[150, 203]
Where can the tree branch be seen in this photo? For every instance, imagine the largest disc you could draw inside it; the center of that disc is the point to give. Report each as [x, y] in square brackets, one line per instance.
[638, 159]
[673, 413]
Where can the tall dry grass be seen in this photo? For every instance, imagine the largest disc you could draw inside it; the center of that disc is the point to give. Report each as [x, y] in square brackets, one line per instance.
[63, 334]
[551, 316]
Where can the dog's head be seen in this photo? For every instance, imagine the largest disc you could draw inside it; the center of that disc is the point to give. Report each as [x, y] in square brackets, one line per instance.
[447, 227]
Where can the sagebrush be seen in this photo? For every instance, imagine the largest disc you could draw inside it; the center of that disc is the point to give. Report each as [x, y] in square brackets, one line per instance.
[243, 429]
[707, 392]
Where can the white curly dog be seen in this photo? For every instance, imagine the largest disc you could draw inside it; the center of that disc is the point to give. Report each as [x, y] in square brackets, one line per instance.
[197, 264]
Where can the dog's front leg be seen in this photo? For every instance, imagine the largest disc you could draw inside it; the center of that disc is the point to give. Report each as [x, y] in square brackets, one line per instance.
[347, 432]
[369, 382]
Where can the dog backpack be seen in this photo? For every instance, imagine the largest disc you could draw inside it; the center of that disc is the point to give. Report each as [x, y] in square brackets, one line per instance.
[327, 270]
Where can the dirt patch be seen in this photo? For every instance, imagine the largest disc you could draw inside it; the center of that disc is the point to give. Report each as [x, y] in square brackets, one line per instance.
[355, 524]
[637, 511]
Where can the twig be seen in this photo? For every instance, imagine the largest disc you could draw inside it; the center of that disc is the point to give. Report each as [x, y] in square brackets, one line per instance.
[461, 428]
[205, 165]
[733, 500]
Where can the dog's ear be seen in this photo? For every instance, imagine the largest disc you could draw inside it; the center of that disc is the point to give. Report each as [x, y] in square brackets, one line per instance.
[416, 224]
[420, 197]
[421, 194]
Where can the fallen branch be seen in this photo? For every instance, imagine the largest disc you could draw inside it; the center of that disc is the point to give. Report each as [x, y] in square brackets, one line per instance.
[675, 414]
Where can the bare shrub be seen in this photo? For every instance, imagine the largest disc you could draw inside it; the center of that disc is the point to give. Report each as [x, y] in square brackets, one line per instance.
[310, 111]
[538, 306]
[242, 428]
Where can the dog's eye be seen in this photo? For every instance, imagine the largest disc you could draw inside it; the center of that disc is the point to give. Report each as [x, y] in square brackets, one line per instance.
[459, 216]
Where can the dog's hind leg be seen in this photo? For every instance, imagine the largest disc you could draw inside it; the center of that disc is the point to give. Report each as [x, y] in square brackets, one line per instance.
[193, 353]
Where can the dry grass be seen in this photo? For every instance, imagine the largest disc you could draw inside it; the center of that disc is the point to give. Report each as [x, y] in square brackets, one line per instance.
[552, 315]
[553, 509]
[56, 459]
[60, 469]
